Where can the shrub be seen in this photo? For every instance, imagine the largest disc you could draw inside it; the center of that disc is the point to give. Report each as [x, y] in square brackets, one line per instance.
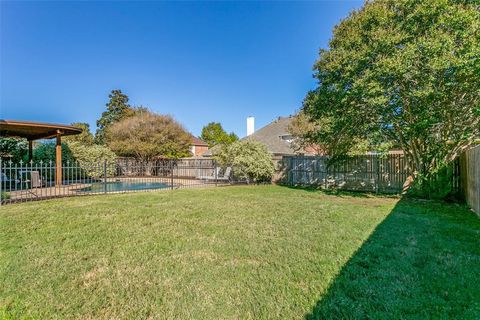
[91, 158]
[5, 195]
[250, 160]
[437, 185]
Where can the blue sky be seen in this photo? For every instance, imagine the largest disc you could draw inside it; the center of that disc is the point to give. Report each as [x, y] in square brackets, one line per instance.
[198, 61]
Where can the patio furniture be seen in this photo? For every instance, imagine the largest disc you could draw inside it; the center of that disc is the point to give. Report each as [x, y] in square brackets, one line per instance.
[215, 174]
[35, 181]
[218, 177]
[226, 175]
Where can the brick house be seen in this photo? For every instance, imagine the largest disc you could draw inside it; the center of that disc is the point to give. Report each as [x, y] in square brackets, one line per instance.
[198, 147]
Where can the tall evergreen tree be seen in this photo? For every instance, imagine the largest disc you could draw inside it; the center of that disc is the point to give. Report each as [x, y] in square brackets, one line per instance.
[118, 108]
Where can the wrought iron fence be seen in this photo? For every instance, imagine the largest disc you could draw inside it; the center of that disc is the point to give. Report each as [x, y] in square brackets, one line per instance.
[37, 180]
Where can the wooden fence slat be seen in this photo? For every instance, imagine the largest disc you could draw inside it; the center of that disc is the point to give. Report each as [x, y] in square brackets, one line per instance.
[363, 173]
[470, 177]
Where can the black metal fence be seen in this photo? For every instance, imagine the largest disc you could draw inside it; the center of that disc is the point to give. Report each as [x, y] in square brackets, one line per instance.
[385, 174]
[36, 181]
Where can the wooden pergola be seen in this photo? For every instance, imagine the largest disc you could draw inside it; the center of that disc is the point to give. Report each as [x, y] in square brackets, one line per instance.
[39, 130]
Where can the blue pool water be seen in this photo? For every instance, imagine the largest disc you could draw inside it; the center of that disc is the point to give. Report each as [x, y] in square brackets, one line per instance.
[125, 186]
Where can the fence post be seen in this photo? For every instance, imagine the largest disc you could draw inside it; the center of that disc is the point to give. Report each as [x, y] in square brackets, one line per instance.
[325, 172]
[334, 174]
[171, 174]
[290, 171]
[105, 176]
[215, 170]
[377, 180]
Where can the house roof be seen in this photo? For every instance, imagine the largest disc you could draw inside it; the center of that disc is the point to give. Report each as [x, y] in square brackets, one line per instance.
[275, 136]
[212, 151]
[198, 142]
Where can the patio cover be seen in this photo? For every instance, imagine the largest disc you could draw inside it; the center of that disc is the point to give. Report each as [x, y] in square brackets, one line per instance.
[39, 130]
[35, 130]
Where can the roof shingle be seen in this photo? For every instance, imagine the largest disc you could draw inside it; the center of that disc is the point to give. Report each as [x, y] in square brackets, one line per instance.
[275, 135]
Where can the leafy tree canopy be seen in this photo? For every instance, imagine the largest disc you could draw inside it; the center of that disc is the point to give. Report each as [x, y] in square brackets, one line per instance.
[250, 160]
[317, 134]
[86, 137]
[404, 72]
[118, 108]
[213, 134]
[46, 153]
[14, 149]
[147, 135]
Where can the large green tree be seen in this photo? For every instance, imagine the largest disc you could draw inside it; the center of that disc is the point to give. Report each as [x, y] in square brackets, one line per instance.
[14, 149]
[213, 134]
[404, 72]
[118, 108]
[147, 135]
[85, 138]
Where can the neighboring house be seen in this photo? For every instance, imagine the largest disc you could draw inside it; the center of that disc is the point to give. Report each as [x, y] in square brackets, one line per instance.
[275, 137]
[198, 147]
[278, 140]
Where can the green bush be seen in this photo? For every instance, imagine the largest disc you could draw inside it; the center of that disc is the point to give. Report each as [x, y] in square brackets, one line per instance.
[92, 157]
[438, 185]
[5, 195]
[250, 160]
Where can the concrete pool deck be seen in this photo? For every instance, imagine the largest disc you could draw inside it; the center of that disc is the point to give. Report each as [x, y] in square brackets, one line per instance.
[77, 189]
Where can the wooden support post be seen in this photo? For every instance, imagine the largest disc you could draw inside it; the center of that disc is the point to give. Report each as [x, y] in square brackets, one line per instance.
[30, 150]
[58, 160]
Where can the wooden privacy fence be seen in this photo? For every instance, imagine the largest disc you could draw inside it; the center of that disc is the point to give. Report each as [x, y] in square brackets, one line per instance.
[470, 177]
[185, 168]
[386, 174]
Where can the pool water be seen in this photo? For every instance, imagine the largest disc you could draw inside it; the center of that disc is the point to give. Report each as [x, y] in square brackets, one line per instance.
[125, 186]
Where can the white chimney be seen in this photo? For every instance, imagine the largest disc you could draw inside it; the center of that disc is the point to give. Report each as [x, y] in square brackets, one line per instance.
[250, 125]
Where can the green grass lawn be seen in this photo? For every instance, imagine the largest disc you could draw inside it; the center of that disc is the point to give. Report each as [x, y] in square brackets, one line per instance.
[239, 252]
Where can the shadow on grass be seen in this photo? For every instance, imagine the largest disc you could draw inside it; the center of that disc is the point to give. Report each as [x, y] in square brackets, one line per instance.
[421, 262]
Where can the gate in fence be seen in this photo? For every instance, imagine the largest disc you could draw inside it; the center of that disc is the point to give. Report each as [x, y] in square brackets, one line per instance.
[385, 174]
[36, 181]
[470, 177]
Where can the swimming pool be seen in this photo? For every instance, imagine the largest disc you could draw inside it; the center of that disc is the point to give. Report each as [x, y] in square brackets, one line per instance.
[125, 186]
